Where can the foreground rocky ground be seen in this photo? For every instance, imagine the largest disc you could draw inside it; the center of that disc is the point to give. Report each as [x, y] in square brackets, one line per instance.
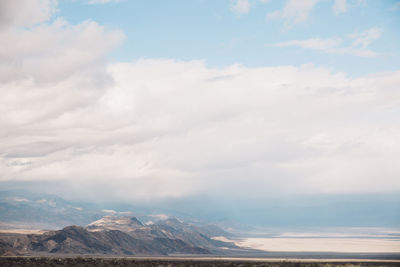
[93, 261]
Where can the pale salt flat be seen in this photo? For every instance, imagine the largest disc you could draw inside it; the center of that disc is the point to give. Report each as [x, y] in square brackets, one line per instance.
[358, 245]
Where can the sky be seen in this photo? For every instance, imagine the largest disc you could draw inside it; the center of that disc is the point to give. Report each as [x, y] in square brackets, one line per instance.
[152, 100]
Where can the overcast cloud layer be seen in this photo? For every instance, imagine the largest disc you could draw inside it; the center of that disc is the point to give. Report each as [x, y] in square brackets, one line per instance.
[159, 127]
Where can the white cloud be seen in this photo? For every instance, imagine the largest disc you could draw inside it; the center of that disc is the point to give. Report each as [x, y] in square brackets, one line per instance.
[297, 11]
[340, 6]
[25, 12]
[241, 6]
[49, 52]
[314, 43]
[364, 39]
[359, 44]
[294, 11]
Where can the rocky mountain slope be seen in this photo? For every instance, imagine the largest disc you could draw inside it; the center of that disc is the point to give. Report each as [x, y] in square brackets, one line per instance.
[170, 228]
[113, 235]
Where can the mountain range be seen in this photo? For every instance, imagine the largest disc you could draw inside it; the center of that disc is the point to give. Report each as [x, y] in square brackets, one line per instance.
[79, 228]
[114, 235]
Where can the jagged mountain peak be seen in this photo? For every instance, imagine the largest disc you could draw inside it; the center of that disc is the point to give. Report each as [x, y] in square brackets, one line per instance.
[123, 223]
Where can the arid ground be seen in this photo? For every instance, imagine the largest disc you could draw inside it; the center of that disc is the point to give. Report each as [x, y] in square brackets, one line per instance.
[101, 261]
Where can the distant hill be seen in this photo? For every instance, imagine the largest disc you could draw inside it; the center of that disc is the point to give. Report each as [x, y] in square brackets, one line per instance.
[24, 209]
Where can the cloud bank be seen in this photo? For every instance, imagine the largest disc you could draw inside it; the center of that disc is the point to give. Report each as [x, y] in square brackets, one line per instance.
[170, 128]
[159, 128]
